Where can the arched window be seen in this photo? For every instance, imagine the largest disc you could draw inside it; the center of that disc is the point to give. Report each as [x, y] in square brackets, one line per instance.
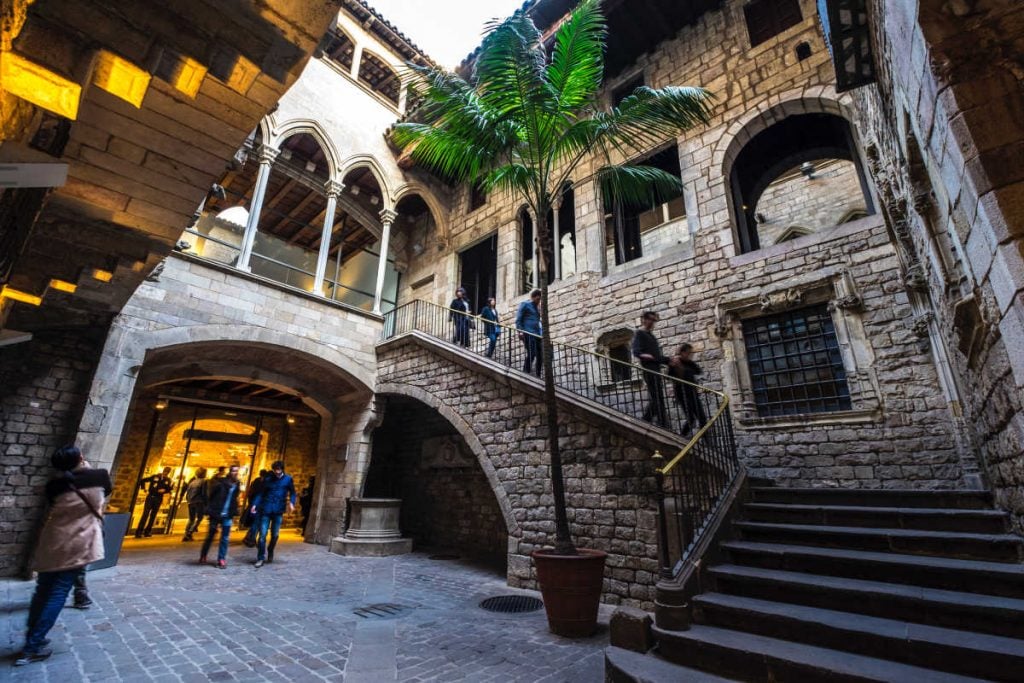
[803, 170]
[338, 48]
[615, 344]
[380, 77]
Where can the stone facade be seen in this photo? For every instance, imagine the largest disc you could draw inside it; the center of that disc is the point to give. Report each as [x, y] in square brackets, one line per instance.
[944, 127]
[45, 383]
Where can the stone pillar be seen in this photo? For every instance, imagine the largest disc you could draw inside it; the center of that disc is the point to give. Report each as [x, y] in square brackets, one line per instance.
[357, 58]
[535, 275]
[590, 227]
[387, 217]
[333, 190]
[556, 234]
[267, 157]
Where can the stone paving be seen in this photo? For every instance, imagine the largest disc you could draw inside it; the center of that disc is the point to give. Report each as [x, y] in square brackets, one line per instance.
[160, 617]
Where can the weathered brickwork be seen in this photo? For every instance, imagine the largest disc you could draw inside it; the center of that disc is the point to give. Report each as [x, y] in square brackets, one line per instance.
[446, 500]
[43, 384]
[812, 204]
[608, 474]
[944, 128]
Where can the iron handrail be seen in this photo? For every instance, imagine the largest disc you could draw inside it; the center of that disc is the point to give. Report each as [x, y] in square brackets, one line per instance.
[689, 487]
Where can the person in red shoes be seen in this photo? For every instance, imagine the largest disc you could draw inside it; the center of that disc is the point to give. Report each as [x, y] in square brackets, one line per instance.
[221, 509]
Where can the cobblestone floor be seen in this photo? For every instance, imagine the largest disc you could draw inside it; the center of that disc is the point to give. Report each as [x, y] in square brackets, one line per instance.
[160, 617]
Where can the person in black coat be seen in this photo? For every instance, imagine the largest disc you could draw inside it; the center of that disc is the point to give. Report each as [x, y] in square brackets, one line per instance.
[647, 350]
[460, 316]
[157, 486]
[221, 509]
[683, 368]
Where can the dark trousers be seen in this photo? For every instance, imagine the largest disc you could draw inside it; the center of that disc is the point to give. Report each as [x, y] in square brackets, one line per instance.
[693, 409]
[461, 330]
[195, 518]
[52, 590]
[81, 590]
[224, 524]
[534, 355]
[655, 410]
[491, 343]
[149, 511]
[271, 523]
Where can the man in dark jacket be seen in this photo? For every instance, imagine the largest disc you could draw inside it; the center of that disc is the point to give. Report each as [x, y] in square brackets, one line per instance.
[647, 350]
[278, 491]
[684, 368]
[529, 325]
[157, 486]
[195, 497]
[221, 509]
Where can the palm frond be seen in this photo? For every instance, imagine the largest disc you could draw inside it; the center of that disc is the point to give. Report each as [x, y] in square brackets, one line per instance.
[514, 178]
[648, 117]
[640, 186]
[577, 60]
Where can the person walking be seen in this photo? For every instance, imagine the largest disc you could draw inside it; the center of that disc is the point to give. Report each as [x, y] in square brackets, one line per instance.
[71, 538]
[81, 592]
[460, 317]
[156, 486]
[646, 349]
[278, 491]
[528, 324]
[253, 518]
[221, 508]
[195, 498]
[682, 367]
[489, 313]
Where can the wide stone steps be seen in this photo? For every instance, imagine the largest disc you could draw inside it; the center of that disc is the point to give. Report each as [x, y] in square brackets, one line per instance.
[752, 657]
[626, 666]
[971, 576]
[962, 652]
[995, 615]
[997, 547]
[893, 498]
[929, 519]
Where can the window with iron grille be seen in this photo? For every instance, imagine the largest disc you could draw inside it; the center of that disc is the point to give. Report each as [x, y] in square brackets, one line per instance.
[795, 363]
[621, 371]
[768, 18]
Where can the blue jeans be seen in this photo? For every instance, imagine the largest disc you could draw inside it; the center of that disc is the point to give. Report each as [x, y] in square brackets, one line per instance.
[274, 523]
[52, 590]
[493, 341]
[224, 524]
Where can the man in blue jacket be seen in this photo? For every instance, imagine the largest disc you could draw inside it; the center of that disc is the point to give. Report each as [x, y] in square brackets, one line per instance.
[278, 492]
[528, 324]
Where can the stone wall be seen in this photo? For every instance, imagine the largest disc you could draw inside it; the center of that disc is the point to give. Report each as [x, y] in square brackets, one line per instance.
[813, 204]
[447, 502]
[44, 385]
[608, 473]
[944, 127]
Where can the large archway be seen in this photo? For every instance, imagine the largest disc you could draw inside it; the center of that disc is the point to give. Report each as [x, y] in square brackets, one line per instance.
[448, 501]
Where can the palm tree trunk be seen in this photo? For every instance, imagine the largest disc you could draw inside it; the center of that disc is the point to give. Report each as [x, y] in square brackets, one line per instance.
[563, 541]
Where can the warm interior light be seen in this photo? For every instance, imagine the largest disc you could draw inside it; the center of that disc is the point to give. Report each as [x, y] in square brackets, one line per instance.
[63, 285]
[291, 419]
[102, 275]
[189, 76]
[161, 404]
[39, 85]
[8, 292]
[121, 78]
[243, 75]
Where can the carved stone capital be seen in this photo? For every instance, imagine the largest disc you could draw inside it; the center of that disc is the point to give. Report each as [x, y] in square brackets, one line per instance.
[268, 155]
[921, 323]
[333, 188]
[915, 278]
[388, 216]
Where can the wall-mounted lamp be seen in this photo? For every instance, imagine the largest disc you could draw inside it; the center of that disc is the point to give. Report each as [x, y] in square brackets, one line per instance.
[807, 168]
[290, 419]
[102, 275]
[161, 404]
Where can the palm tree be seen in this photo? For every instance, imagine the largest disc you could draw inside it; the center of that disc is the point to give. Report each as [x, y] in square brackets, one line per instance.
[524, 122]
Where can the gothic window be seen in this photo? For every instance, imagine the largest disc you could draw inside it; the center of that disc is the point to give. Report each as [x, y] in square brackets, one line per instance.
[791, 233]
[768, 18]
[615, 345]
[477, 198]
[628, 227]
[338, 48]
[804, 170]
[621, 370]
[380, 77]
[795, 363]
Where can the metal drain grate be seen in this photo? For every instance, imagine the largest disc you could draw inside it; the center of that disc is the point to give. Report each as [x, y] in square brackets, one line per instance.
[444, 556]
[383, 610]
[512, 604]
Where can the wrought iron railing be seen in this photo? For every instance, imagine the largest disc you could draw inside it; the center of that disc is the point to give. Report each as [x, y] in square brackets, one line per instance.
[689, 487]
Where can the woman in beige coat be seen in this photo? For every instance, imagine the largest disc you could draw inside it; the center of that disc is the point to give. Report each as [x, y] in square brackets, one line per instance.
[71, 538]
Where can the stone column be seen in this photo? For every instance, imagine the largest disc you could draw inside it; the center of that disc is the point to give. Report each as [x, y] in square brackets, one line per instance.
[333, 191]
[357, 58]
[535, 275]
[556, 234]
[267, 157]
[387, 217]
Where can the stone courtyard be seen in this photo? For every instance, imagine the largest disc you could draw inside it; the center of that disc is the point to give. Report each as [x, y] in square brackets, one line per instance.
[159, 617]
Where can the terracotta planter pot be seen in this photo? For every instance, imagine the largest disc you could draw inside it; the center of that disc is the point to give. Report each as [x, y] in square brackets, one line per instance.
[571, 586]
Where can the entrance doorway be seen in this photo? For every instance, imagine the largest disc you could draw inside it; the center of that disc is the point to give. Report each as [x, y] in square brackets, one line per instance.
[480, 272]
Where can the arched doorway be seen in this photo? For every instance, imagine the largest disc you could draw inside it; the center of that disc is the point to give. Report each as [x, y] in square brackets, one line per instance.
[447, 501]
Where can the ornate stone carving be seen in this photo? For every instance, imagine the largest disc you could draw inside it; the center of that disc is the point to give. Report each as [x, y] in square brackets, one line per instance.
[915, 277]
[921, 323]
[846, 296]
[780, 301]
[723, 323]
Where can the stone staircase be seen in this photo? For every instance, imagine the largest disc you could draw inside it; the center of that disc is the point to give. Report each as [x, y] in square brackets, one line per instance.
[851, 585]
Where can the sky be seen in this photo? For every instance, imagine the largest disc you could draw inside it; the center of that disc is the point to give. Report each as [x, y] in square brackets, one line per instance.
[447, 30]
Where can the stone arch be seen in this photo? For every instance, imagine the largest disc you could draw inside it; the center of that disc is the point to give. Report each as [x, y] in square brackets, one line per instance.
[314, 130]
[436, 209]
[370, 162]
[466, 431]
[819, 100]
